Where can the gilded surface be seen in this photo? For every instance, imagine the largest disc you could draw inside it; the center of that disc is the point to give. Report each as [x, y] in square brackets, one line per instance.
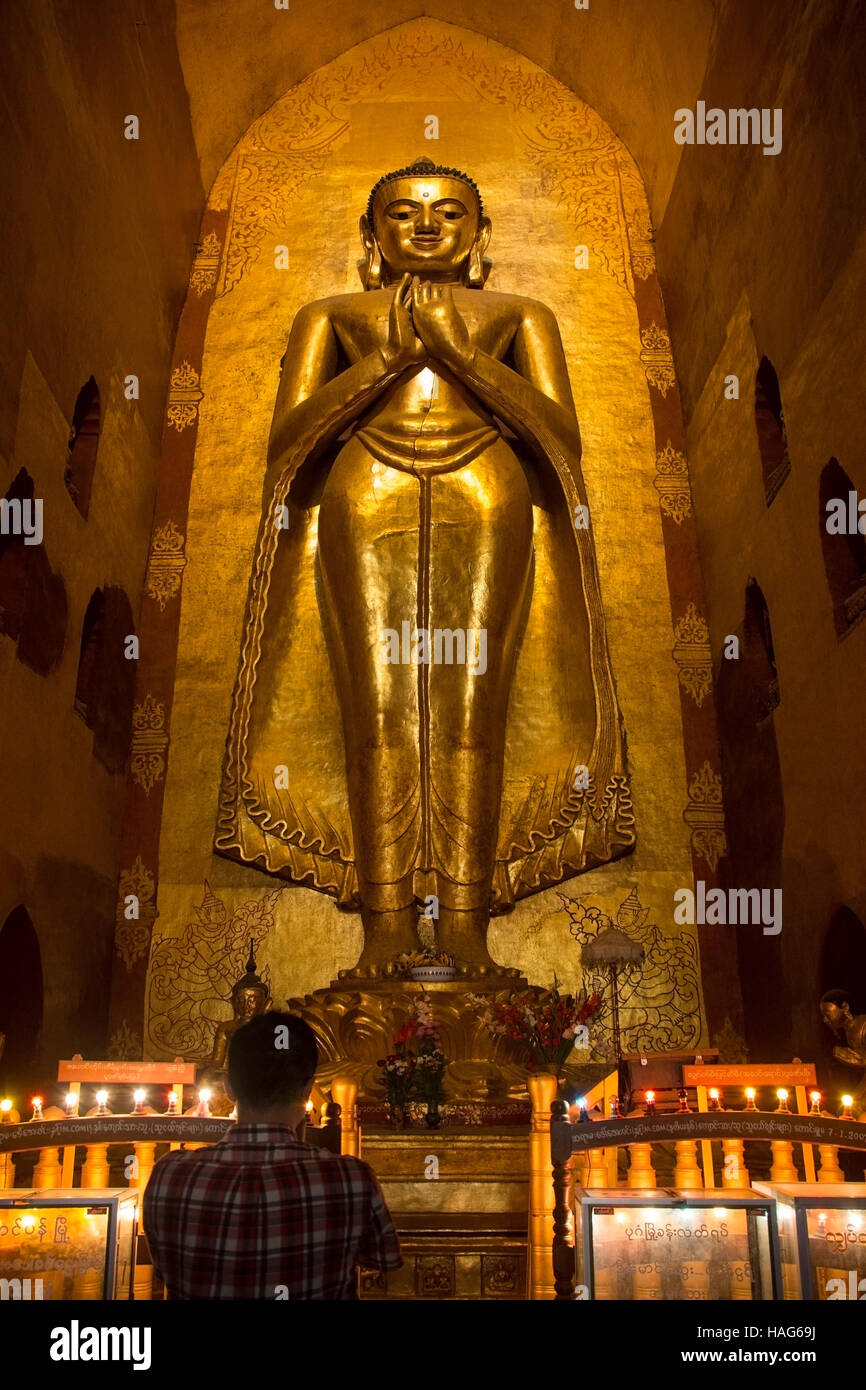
[133, 931]
[672, 484]
[533, 249]
[183, 397]
[149, 742]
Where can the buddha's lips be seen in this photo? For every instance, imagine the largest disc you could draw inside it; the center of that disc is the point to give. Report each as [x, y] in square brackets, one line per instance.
[425, 240]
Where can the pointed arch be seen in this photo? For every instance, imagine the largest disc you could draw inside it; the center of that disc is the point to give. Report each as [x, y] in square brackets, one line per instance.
[21, 995]
[105, 685]
[844, 550]
[83, 445]
[770, 425]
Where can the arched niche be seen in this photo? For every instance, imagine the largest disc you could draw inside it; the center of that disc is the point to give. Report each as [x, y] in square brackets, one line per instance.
[33, 605]
[105, 683]
[21, 998]
[770, 425]
[83, 446]
[747, 694]
[843, 547]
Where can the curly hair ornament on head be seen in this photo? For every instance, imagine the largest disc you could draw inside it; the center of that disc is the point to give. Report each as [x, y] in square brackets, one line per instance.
[424, 168]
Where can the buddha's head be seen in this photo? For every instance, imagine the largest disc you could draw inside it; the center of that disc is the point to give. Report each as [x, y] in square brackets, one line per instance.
[250, 994]
[836, 1007]
[426, 221]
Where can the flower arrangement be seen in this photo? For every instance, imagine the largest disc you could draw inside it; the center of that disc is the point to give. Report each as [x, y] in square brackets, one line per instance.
[429, 956]
[409, 1075]
[546, 1027]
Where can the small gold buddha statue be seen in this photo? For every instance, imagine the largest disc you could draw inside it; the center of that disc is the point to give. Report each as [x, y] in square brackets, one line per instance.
[836, 1013]
[250, 996]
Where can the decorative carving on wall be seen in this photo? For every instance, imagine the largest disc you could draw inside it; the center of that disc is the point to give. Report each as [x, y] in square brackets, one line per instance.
[705, 816]
[125, 1044]
[693, 656]
[730, 1045]
[206, 265]
[657, 359]
[659, 1003]
[183, 397]
[133, 934]
[166, 564]
[434, 1276]
[191, 975]
[672, 483]
[500, 1274]
[149, 742]
[578, 157]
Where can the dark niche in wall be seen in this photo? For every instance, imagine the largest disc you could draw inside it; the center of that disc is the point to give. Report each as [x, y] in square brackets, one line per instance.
[105, 685]
[844, 551]
[770, 424]
[33, 606]
[21, 997]
[83, 446]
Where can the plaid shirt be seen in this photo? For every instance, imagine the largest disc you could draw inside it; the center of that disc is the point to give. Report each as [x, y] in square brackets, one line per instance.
[260, 1213]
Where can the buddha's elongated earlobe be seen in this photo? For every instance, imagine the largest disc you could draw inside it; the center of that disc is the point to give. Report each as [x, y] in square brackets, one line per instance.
[372, 257]
[476, 271]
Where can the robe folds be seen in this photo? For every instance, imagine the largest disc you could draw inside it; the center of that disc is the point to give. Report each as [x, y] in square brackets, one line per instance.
[351, 776]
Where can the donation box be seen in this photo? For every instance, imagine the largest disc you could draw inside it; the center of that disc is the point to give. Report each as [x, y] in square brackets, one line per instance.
[59, 1243]
[822, 1238]
[676, 1244]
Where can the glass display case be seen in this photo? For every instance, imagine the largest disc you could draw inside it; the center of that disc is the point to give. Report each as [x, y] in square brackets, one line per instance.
[822, 1238]
[675, 1244]
[68, 1243]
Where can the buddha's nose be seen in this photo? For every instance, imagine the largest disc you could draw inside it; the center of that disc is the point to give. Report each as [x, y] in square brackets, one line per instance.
[426, 219]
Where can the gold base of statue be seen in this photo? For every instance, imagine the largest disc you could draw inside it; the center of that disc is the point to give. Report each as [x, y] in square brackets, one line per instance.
[355, 1023]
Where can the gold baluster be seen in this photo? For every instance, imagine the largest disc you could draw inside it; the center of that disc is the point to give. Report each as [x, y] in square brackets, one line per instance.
[145, 1154]
[142, 1289]
[598, 1168]
[48, 1169]
[783, 1169]
[345, 1092]
[95, 1170]
[734, 1170]
[542, 1089]
[686, 1172]
[829, 1170]
[641, 1172]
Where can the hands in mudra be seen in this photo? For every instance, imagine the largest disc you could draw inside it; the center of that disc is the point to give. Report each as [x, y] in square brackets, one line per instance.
[425, 322]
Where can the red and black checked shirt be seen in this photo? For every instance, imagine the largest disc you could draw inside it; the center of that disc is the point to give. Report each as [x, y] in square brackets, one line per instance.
[260, 1213]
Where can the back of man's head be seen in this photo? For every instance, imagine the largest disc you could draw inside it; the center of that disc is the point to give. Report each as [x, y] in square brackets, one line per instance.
[272, 1060]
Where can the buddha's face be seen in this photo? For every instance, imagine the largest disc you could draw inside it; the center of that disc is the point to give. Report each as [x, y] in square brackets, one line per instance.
[836, 1015]
[249, 1002]
[426, 226]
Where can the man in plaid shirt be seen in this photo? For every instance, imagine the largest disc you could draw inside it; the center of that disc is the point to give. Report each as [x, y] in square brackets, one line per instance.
[261, 1214]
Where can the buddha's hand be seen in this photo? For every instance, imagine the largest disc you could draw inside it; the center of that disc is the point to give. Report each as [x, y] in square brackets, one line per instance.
[403, 347]
[440, 325]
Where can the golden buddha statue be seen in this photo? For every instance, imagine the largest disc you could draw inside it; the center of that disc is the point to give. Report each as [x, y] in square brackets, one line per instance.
[425, 704]
[250, 996]
[836, 1012]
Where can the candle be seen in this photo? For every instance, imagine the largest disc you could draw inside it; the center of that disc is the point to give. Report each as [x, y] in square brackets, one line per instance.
[139, 1097]
[847, 1113]
[750, 1098]
[5, 1107]
[36, 1102]
[203, 1098]
[684, 1108]
[172, 1103]
[70, 1103]
[715, 1102]
[582, 1117]
[650, 1102]
[815, 1098]
[782, 1098]
[102, 1102]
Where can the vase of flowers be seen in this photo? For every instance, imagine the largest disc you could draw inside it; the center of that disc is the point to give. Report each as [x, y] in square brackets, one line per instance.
[428, 966]
[409, 1075]
[430, 1063]
[546, 1026]
[398, 1075]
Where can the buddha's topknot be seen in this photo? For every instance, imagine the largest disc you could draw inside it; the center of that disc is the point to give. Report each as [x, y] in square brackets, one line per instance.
[427, 168]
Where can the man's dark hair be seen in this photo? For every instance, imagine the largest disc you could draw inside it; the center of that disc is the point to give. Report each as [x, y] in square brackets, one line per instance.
[272, 1059]
[838, 997]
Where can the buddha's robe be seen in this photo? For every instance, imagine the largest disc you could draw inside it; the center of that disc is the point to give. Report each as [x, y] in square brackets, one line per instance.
[427, 514]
